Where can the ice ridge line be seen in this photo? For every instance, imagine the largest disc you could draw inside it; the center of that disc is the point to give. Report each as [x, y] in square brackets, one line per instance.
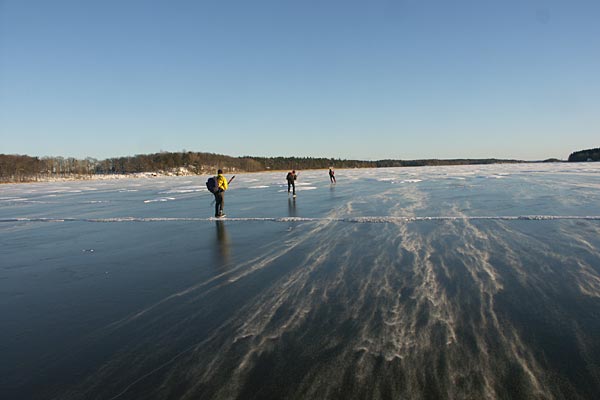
[381, 219]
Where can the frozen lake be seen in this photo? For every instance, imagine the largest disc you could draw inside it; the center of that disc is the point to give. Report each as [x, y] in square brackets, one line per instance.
[416, 283]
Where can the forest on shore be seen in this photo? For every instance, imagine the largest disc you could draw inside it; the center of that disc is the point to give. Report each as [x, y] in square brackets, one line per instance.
[24, 168]
[585, 155]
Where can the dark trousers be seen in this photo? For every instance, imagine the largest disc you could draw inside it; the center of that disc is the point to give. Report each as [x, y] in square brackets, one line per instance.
[292, 185]
[219, 203]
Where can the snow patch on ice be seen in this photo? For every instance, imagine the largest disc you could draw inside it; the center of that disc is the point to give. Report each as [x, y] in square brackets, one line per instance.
[180, 191]
[161, 199]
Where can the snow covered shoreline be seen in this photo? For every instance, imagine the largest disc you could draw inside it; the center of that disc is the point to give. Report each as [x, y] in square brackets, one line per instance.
[103, 177]
[583, 167]
[71, 178]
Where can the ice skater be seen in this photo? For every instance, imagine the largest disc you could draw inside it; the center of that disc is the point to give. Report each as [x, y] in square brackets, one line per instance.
[331, 175]
[291, 180]
[222, 186]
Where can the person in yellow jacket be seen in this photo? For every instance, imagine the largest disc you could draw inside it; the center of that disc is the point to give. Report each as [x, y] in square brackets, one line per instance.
[219, 195]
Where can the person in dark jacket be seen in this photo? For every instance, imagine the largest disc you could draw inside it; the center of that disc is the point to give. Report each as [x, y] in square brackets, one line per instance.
[331, 175]
[291, 180]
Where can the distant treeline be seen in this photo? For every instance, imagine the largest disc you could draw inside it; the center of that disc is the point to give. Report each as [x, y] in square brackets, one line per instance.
[585, 155]
[20, 168]
[23, 168]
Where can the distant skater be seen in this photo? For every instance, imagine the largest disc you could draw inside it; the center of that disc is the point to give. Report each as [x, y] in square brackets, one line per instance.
[331, 175]
[291, 180]
[222, 186]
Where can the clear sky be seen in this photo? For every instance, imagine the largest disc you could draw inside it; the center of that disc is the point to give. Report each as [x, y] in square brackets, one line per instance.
[346, 79]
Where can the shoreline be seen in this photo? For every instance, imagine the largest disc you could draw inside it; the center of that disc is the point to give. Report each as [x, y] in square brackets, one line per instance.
[184, 172]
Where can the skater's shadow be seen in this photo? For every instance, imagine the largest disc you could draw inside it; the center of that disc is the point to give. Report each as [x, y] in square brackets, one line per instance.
[292, 207]
[223, 252]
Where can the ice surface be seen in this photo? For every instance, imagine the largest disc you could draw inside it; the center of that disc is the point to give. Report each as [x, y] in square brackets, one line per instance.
[432, 282]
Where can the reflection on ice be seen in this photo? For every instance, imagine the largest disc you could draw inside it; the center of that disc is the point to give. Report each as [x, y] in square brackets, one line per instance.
[223, 246]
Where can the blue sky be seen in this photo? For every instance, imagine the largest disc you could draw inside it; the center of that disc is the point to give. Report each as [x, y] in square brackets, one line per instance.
[345, 79]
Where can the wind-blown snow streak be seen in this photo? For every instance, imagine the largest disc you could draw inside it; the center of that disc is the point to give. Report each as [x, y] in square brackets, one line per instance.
[437, 282]
[344, 307]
